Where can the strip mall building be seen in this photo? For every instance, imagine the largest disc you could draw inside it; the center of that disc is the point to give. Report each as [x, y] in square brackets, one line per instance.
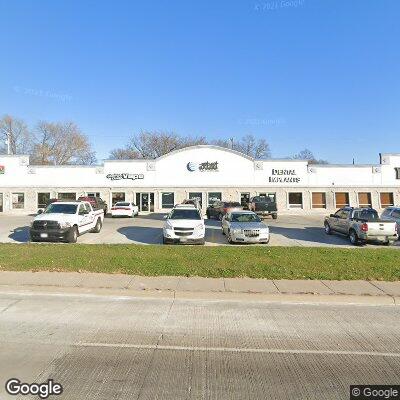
[209, 173]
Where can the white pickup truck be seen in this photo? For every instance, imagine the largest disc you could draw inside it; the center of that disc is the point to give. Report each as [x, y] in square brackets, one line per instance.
[65, 221]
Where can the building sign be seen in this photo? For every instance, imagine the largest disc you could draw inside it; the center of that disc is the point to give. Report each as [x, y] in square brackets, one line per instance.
[2, 169]
[118, 177]
[283, 176]
[203, 167]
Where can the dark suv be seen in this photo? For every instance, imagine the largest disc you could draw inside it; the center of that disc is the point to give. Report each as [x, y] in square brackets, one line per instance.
[96, 202]
[220, 208]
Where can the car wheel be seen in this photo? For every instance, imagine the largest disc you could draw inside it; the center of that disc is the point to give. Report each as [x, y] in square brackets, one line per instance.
[388, 243]
[274, 216]
[230, 241]
[98, 226]
[267, 241]
[73, 235]
[222, 230]
[328, 229]
[353, 238]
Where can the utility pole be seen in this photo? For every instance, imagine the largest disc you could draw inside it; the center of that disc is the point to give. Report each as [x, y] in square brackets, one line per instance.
[231, 140]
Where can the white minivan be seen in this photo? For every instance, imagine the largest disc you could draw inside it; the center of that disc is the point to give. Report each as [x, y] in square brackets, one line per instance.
[184, 224]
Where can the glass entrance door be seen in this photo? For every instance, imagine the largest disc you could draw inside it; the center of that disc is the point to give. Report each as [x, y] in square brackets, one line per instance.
[1, 202]
[145, 201]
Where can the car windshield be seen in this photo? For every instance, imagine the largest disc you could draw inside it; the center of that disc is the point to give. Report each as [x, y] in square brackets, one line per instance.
[122, 204]
[184, 214]
[245, 218]
[61, 208]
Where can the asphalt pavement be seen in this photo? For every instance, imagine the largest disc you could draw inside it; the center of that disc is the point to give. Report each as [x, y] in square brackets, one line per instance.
[287, 230]
[116, 347]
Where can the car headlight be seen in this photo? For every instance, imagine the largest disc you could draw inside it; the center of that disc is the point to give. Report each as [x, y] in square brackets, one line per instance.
[237, 231]
[64, 225]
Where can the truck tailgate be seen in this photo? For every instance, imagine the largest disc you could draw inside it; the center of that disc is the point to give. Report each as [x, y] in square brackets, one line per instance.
[381, 228]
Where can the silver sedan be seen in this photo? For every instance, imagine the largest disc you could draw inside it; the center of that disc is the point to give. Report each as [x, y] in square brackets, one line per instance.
[244, 227]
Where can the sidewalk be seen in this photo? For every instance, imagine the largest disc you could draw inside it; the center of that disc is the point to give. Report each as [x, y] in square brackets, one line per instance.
[213, 288]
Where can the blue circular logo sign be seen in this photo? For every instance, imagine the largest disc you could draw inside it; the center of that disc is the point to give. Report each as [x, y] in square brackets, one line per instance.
[191, 166]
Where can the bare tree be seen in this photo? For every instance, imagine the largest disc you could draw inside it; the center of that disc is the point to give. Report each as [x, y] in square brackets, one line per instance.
[61, 144]
[21, 139]
[249, 145]
[153, 144]
[124, 154]
[308, 155]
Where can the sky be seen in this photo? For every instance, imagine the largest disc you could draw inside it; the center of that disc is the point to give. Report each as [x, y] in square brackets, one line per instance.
[316, 74]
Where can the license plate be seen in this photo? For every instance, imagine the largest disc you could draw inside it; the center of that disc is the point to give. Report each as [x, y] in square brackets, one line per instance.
[44, 235]
[183, 239]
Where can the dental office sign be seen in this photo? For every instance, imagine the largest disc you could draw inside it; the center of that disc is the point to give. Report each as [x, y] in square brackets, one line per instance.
[283, 176]
[118, 177]
[202, 167]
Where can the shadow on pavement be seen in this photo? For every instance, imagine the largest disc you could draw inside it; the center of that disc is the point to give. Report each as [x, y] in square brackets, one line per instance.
[310, 234]
[20, 234]
[142, 234]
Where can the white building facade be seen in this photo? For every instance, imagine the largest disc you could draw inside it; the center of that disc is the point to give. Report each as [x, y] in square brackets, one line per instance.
[206, 172]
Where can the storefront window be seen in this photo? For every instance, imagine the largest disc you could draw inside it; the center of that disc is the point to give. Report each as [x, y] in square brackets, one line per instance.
[42, 199]
[196, 196]
[18, 200]
[67, 196]
[93, 194]
[117, 196]
[364, 199]
[319, 200]
[213, 197]
[387, 200]
[167, 199]
[244, 199]
[342, 199]
[296, 200]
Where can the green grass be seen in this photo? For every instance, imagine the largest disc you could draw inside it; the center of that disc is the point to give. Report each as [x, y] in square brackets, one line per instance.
[221, 261]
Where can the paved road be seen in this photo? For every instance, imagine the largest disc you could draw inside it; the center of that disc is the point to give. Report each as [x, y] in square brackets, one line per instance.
[141, 348]
[288, 230]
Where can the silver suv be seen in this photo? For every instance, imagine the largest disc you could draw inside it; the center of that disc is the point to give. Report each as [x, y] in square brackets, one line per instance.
[392, 214]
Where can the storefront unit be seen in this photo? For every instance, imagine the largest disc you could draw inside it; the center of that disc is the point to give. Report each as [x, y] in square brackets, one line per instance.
[208, 173]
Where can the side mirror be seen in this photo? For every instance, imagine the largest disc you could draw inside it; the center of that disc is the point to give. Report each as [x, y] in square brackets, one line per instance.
[333, 216]
[165, 216]
[40, 211]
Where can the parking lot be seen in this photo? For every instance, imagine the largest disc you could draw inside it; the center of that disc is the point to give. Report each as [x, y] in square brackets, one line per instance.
[287, 230]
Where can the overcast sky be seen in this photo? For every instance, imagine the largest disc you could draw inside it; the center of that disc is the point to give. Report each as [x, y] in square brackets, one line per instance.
[321, 74]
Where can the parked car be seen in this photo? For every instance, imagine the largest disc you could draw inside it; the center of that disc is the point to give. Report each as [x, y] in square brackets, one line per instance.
[220, 208]
[96, 202]
[124, 209]
[361, 225]
[392, 214]
[263, 206]
[184, 225]
[244, 227]
[195, 202]
[65, 221]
